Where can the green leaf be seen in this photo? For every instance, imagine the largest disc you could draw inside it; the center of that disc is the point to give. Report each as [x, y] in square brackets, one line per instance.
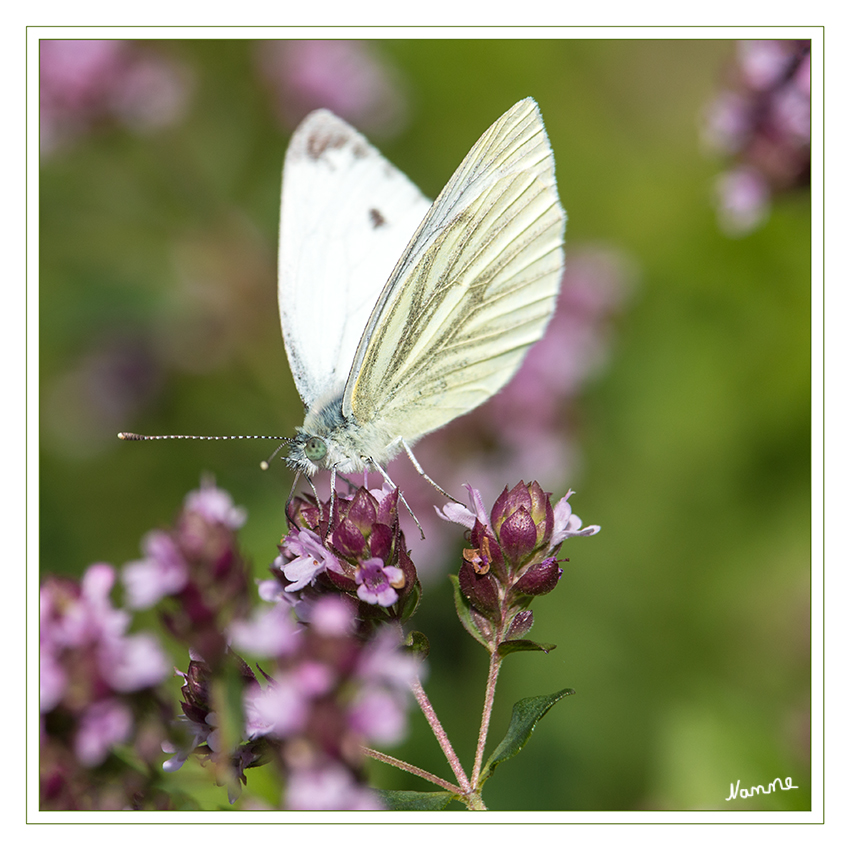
[464, 612]
[524, 718]
[416, 801]
[412, 602]
[506, 647]
[418, 643]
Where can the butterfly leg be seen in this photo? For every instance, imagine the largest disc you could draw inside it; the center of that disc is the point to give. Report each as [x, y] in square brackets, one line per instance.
[400, 494]
[289, 498]
[424, 474]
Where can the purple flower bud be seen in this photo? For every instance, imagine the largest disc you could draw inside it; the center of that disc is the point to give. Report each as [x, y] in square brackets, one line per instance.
[387, 513]
[520, 625]
[538, 579]
[303, 513]
[481, 589]
[280, 709]
[382, 542]
[349, 540]
[332, 616]
[362, 510]
[523, 520]
[518, 536]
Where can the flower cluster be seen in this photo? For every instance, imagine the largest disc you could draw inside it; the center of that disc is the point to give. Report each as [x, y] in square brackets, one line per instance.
[334, 686]
[512, 559]
[762, 122]
[335, 680]
[198, 568]
[96, 682]
[330, 694]
[89, 82]
[354, 545]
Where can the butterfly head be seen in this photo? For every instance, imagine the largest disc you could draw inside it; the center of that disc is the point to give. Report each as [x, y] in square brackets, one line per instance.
[307, 453]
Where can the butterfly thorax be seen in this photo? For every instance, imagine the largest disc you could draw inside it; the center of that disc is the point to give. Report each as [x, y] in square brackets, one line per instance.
[328, 439]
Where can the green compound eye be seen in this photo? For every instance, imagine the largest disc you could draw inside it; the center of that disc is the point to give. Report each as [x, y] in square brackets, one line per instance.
[315, 448]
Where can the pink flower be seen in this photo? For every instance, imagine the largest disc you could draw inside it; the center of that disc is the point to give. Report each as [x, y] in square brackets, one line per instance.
[161, 573]
[762, 123]
[764, 62]
[215, 506]
[332, 616]
[102, 725]
[80, 627]
[328, 788]
[280, 709]
[742, 200]
[379, 716]
[270, 632]
[376, 582]
[311, 559]
[133, 663]
[567, 524]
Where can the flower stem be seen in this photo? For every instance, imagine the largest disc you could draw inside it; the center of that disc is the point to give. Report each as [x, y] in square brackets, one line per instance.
[411, 768]
[489, 697]
[440, 735]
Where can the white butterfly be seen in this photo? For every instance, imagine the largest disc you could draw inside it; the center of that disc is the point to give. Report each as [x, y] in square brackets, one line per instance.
[399, 315]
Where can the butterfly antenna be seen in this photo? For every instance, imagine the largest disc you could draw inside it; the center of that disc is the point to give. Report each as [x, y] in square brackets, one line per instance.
[129, 436]
[264, 464]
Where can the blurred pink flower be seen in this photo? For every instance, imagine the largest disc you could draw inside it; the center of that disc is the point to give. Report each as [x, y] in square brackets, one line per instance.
[101, 725]
[88, 82]
[761, 121]
[347, 77]
[743, 199]
[329, 788]
[763, 63]
[89, 662]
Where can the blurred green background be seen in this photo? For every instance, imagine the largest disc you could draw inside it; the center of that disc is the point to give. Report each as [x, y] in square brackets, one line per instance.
[684, 625]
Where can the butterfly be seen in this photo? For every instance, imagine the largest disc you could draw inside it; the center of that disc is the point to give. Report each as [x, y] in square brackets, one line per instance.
[398, 314]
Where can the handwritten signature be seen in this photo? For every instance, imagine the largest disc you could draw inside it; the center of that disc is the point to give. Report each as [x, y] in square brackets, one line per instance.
[736, 790]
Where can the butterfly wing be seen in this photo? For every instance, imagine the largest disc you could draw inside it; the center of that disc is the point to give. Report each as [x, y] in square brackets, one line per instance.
[346, 216]
[474, 289]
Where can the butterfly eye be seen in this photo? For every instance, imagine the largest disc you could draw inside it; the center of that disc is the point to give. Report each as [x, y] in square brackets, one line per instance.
[315, 448]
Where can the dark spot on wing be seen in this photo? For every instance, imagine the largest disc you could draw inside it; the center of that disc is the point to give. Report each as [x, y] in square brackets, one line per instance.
[376, 218]
[328, 139]
[320, 142]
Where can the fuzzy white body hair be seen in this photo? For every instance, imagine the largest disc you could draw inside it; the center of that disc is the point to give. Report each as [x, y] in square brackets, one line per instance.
[351, 446]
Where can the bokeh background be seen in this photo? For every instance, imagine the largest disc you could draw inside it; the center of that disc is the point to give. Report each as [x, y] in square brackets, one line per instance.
[673, 391]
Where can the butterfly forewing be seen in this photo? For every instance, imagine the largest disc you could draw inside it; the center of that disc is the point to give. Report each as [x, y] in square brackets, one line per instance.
[347, 215]
[474, 289]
